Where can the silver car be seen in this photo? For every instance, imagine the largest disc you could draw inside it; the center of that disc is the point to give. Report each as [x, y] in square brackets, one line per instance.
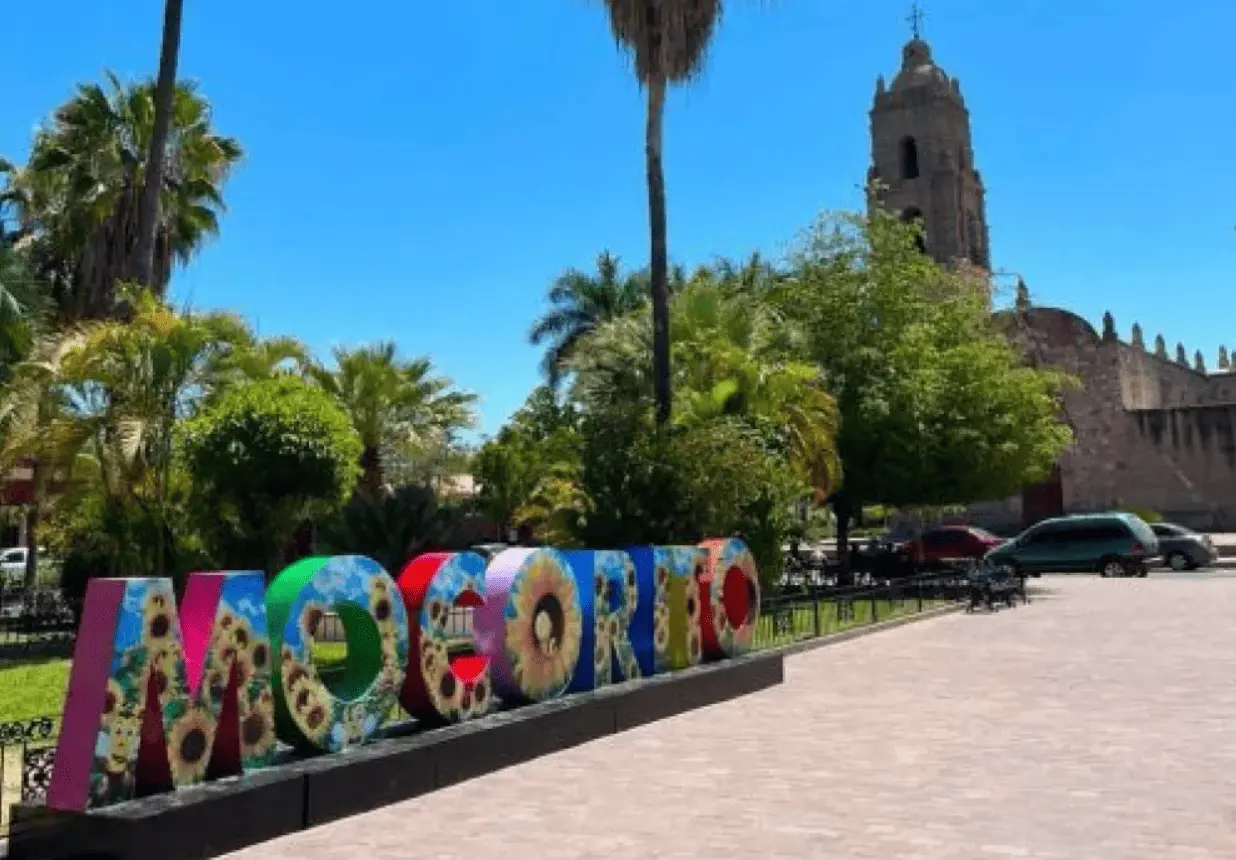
[1183, 549]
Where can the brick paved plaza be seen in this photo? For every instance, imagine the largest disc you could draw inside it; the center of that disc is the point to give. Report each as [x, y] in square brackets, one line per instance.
[1095, 723]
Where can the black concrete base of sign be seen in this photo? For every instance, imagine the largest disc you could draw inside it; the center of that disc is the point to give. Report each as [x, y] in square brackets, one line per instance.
[230, 814]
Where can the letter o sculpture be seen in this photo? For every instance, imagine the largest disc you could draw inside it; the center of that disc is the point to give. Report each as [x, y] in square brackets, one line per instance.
[729, 598]
[366, 599]
[530, 625]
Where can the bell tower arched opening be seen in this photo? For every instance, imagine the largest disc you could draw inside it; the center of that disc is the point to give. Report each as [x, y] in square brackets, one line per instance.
[909, 158]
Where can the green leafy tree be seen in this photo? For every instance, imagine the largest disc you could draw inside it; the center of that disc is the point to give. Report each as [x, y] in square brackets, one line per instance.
[578, 304]
[266, 457]
[733, 357]
[99, 404]
[680, 484]
[753, 427]
[935, 404]
[76, 201]
[539, 444]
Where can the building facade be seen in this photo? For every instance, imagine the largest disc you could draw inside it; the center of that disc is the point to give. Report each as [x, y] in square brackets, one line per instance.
[1152, 431]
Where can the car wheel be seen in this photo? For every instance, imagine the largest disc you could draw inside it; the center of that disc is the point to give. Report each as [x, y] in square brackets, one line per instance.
[1109, 567]
[1178, 561]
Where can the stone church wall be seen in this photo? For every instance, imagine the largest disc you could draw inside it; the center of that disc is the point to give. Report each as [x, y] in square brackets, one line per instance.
[1199, 443]
[1150, 382]
[1148, 433]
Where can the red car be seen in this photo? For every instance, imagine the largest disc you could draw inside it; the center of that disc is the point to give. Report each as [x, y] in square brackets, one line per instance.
[950, 543]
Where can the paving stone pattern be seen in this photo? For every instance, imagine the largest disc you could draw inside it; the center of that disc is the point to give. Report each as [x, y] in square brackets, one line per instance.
[1095, 723]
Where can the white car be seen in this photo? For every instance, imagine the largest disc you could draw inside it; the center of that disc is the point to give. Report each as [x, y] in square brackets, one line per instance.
[12, 566]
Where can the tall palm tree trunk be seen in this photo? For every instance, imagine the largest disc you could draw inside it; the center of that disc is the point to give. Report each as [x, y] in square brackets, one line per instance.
[659, 257]
[373, 473]
[165, 92]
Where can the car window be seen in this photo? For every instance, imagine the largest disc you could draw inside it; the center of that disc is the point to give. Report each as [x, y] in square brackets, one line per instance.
[951, 538]
[1041, 536]
[1141, 531]
[13, 555]
[983, 534]
[1111, 531]
[931, 539]
[1078, 533]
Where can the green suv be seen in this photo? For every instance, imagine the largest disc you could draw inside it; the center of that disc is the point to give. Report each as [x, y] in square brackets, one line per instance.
[1111, 544]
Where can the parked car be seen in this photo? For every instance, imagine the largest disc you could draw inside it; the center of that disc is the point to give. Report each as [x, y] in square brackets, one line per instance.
[944, 544]
[1183, 549]
[12, 566]
[1113, 544]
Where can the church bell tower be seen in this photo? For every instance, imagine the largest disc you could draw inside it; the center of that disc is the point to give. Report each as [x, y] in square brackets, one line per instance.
[922, 158]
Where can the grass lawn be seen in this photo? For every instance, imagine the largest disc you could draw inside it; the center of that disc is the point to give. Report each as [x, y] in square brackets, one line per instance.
[32, 687]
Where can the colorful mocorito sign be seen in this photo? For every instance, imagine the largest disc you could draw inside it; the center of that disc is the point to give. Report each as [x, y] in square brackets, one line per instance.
[163, 697]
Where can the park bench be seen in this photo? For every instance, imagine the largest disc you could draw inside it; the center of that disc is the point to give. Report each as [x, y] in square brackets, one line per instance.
[990, 586]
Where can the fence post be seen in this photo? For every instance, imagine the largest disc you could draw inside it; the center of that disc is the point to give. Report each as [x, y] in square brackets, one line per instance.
[874, 611]
[815, 611]
[918, 588]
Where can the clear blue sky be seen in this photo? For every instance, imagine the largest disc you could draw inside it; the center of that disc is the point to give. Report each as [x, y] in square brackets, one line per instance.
[421, 171]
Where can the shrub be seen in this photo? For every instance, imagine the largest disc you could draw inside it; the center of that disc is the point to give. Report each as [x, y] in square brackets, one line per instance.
[1145, 514]
[265, 457]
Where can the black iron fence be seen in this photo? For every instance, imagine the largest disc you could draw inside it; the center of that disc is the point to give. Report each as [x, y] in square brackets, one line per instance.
[35, 622]
[27, 748]
[823, 610]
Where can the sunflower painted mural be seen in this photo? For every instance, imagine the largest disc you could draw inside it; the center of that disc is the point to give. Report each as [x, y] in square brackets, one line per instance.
[730, 597]
[608, 596]
[152, 674]
[530, 625]
[357, 589]
[679, 623]
[449, 681]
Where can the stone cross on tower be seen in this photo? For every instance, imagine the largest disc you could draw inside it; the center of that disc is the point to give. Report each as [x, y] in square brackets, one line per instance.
[915, 20]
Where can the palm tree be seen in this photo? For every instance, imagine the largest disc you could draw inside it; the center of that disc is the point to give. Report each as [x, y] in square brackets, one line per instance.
[579, 303]
[393, 529]
[396, 406]
[76, 200]
[107, 395]
[733, 357]
[20, 309]
[165, 92]
[668, 41]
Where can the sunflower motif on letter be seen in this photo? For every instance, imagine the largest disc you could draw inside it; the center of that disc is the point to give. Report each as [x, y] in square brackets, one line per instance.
[543, 627]
[310, 617]
[661, 617]
[258, 655]
[124, 733]
[381, 605]
[257, 731]
[189, 746]
[157, 620]
[310, 707]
